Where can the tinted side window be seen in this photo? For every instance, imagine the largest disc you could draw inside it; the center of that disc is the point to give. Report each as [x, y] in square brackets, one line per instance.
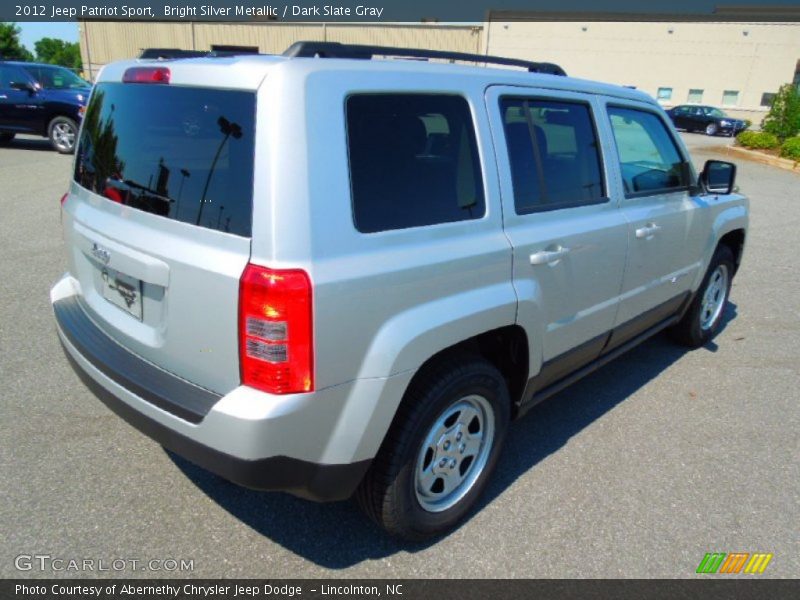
[413, 161]
[35, 73]
[56, 78]
[9, 75]
[650, 160]
[5, 77]
[553, 154]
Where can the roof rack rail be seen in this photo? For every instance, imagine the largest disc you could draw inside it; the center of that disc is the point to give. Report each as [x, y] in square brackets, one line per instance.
[174, 53]
[337, 50]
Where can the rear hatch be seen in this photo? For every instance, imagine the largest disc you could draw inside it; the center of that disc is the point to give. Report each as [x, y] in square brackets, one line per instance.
[158, 222]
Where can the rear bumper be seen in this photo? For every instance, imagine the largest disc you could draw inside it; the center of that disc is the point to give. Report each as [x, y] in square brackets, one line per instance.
[732, 129]
[250, 438]
[322, 483]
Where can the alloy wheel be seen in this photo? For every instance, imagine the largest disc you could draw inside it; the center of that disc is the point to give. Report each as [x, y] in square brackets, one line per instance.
[63, 136]
[454, 453]
[714, 297]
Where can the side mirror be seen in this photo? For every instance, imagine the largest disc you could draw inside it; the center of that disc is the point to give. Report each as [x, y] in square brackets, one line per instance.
[718, 177]
[23, 86]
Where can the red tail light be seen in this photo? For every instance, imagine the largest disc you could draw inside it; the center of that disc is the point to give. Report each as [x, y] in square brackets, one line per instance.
[64, 198]
[275, 330]
[146, 75]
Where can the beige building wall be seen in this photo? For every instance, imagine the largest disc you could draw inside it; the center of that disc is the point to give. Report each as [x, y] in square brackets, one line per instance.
[748, 58]
[106, 41]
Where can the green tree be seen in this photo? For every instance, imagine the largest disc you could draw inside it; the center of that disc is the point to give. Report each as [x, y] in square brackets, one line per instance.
[10, 46]
[783, 119]
[58, 52]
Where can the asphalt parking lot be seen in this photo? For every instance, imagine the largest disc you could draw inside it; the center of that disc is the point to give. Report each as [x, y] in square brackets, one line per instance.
[636, 471]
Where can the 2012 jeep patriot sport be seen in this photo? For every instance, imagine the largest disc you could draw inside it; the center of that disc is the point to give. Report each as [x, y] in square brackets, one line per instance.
[329, 275]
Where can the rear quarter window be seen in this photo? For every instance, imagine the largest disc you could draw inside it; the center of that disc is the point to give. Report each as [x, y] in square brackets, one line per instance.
[413, 161]
[182, 153]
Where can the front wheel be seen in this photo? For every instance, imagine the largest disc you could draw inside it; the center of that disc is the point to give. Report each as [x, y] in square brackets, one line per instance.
[63, 132]
[5, 138]
[711, 129]
[440, 450]
[704, 316]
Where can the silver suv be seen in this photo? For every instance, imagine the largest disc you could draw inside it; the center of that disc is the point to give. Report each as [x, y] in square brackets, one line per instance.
[331, 274]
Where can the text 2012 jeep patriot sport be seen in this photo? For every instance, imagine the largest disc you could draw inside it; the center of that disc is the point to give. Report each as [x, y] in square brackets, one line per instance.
[330, 275]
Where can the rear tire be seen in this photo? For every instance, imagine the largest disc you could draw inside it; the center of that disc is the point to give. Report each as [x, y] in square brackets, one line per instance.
[63, 134]
[704, 315]
[711, 129]
[5, 138]
[440, 450]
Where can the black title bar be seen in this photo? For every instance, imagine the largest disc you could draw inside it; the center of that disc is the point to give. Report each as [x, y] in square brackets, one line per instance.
[372, 11]
[503, 589]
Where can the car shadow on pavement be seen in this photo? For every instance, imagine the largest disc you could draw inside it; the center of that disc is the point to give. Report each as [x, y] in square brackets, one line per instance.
[30, 144]
[551, 424]
[337, 535]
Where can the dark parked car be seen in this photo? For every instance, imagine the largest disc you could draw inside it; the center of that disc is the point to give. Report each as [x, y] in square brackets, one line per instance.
[705, 118]
[40, 99]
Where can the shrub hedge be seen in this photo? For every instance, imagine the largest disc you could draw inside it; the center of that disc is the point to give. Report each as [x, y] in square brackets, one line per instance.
[758, 139]
[791, 149]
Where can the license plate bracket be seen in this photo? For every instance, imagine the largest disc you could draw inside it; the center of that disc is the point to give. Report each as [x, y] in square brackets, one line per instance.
[123, 291]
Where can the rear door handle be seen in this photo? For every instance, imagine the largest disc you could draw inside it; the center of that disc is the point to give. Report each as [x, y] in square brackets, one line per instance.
[647, 231]
[548, 257]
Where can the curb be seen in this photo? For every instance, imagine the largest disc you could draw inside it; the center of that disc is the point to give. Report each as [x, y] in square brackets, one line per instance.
[760, 157]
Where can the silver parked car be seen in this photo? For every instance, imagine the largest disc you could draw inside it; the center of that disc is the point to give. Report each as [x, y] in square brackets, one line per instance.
[332, 275]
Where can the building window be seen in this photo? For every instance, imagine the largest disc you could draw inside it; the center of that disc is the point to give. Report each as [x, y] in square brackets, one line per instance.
[730, 98]
[664, 93]
[766, 99]
[695, 96]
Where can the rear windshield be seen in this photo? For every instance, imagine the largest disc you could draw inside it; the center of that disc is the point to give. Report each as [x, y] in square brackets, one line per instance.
[179, 152]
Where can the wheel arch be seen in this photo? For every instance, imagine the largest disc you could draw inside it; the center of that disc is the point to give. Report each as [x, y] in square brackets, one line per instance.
[52, 116]
[729, 228]
[505, 348]
[734, 239]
